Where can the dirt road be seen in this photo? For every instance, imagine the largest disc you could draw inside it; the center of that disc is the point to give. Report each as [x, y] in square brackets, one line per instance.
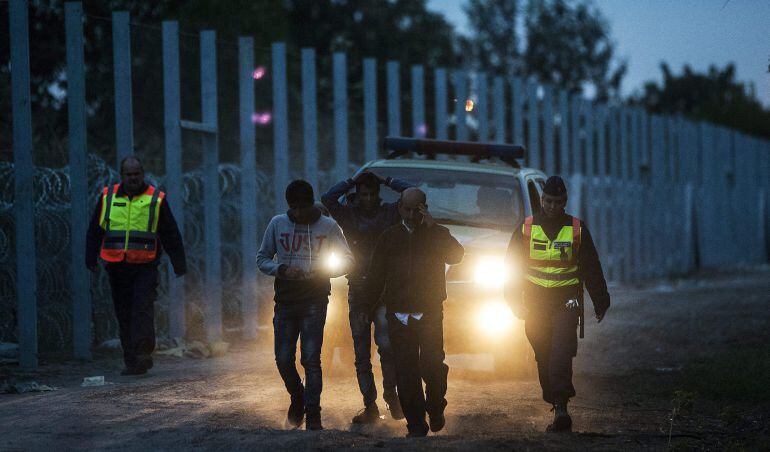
[631, 371]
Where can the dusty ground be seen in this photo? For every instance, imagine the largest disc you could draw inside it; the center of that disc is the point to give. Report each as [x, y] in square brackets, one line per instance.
[631, 371]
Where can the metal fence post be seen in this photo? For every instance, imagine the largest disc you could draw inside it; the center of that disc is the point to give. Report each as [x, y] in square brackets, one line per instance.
[370, 109]
[576, 155]
[124, 122]
[459, 80]
[482, 106]
[394, 99]
[498, 107]
[517, 111]
[564, 140]
[340, 79]
[173, 148]
[213, 282]
[589, 155]
[249, 214]
[280, 126]
[24, 170]
[533, 125]
[78, 158]
[419, 127]
[440, 102]
[309, 117]
[549, 158]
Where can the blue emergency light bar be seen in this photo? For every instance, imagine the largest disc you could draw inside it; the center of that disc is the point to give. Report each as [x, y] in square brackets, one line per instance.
[399, 146]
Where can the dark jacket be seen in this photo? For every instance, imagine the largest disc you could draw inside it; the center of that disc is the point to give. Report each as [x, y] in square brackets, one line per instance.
[408, 269]
[169, 237]
[362, 228]
[589, 268]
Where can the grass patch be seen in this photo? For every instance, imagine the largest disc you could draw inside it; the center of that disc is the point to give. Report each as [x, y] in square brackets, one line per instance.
[739, 375]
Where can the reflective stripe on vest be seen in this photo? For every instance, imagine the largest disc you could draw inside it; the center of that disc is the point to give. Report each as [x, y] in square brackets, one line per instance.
[551, 263]
[130, 225]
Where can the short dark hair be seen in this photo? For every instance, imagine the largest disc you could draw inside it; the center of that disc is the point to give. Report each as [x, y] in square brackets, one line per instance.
[369, 180]
[131, 157]
[299, 193]
[554, 186]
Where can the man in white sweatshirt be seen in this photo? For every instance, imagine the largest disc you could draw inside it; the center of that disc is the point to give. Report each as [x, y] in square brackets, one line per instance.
[303, 249]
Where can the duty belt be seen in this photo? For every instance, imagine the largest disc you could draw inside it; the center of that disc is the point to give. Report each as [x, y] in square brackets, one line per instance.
[551, 276]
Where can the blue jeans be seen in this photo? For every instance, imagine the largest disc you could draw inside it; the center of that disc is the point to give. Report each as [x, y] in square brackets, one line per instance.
[304, 322]
[362, 345]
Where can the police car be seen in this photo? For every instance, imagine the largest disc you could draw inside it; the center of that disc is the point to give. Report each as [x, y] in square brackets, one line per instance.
[481, 196]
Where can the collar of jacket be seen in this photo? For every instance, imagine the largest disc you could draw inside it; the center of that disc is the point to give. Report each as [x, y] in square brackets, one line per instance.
[122, 192]
[316, 215]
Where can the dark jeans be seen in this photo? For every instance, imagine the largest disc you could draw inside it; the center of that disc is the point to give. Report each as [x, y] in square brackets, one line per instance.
[362, 345]
[303, 321]
[418, 348]
[133, 295]
[553, 335]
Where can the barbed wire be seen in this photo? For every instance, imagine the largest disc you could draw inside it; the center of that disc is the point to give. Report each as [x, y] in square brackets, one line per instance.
[53, 247]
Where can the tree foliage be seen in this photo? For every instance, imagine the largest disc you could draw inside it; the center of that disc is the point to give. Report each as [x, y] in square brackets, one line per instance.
[567, 44]
[403, 30]
[714, 96]
[493, 46]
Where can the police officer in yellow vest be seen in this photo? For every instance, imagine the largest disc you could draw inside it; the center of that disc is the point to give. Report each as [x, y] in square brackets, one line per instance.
[554, 256]
[131, 225]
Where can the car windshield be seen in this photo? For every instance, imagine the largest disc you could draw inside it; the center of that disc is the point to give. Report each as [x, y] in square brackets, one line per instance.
[462, 197]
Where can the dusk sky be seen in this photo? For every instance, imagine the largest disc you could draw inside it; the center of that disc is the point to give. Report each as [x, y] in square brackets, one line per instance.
[694, 32]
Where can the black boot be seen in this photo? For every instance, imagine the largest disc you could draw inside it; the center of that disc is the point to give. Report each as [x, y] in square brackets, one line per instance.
[561, 419]
[417, 431]
[296, 411]
[368, 415]
[394, 405]
[436, 421]
[313, 420]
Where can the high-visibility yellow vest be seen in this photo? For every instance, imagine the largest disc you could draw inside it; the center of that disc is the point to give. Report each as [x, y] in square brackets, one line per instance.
[552, 263]
[130, 225]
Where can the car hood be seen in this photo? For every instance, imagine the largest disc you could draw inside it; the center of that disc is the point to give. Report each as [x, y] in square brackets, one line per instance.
[477, 240]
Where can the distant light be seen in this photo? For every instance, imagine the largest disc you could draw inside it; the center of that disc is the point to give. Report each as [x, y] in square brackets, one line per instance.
[422, 130]
[261, 118]
[468, 105]
[259, 72]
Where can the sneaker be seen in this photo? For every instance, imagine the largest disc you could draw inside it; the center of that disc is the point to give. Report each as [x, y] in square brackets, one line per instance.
[394, 406]
[133, 371]
[417, 432]
[437, 422]
[313, 420]
[368, 415]
[561, 419]
[296, 411]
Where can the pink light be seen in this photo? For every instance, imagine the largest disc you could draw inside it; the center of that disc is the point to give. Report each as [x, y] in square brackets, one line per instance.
[259, 72]
[422, 130]
[262, 118]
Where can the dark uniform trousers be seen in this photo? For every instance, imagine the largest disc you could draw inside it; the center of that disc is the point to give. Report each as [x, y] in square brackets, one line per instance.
[552, 331]
[133, 295]
[418, 349]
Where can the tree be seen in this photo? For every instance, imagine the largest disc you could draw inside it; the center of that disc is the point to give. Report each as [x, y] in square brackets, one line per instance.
[714, 96]
[494, 44]
[567, 44]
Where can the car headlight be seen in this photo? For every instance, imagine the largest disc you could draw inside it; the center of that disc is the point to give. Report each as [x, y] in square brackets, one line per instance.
[491, 272]
[495, 318]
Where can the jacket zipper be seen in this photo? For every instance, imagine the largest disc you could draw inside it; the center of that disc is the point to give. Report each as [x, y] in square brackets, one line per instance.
[128, 225]
[409, 274]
